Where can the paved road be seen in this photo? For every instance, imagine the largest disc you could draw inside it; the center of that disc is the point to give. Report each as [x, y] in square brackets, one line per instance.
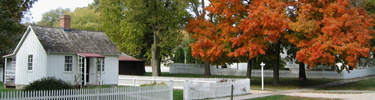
[339, 94]
[344, 96]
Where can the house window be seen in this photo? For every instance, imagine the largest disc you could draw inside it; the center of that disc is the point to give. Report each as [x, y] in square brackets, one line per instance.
[80, 63]
[100, 64]
[103, 64]
[68, 63]
[30, 62]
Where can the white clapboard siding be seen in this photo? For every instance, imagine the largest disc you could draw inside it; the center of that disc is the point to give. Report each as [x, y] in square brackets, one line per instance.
[10, 72]
[30, 46]
[194, 90]
[120, 93]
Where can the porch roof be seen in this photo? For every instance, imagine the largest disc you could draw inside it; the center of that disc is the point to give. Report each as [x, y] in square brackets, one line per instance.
[92, 55]
[124, 57]
[8, 55]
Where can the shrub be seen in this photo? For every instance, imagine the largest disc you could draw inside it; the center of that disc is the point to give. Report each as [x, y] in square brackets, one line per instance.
[48, 83]
[154, 84]
[179, 55]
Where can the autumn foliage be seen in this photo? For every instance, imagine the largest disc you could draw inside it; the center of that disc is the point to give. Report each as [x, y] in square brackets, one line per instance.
[265, 24]
[213, 37]
[241, 29]
[326, 31]
[330, 31]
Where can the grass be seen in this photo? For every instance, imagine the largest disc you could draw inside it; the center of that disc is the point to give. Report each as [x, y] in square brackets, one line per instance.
[367, 84]
[164, 74]
[100, 86]
[287, 83]
[284, 83]
[283, 97]
[178, 94]
[3, 89]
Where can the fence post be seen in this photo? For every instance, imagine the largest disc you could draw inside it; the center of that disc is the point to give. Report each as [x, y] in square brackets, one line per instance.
[134, 82]
[171, 91]
[249, 80]
[231, 91]
[186, 90]
[97, 93]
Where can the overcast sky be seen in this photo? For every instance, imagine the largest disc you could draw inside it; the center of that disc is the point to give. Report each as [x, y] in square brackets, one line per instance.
[43, 6]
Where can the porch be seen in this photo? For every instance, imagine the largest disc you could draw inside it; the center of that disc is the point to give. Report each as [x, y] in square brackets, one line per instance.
[9, 71]
[91, 69]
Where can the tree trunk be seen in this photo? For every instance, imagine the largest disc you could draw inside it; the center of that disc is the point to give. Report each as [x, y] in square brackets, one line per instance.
[302, 73]
[155, 60]
[207, 70]
[276, 66]
[203, 10]
[249, 68]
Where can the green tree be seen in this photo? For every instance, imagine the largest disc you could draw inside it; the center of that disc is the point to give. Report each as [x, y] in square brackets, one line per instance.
[51, 18]
[86, 18]
[145, 28]
[179, 55]
[11, 12]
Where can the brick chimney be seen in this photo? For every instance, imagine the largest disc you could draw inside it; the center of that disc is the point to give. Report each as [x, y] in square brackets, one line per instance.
[65, 22]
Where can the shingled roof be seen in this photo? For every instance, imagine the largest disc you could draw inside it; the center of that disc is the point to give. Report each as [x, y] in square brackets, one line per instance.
[125, 57]
[56, 40]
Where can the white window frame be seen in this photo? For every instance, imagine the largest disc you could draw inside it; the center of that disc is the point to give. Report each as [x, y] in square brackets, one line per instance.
[100, 64]
[68, 63]
[30, 59]
[103, 64]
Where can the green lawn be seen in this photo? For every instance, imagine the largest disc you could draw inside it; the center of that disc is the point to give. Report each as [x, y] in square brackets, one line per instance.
[283, 97]
[165, 74]
[368, 84]
[178, 94]
[2, 89]
[285, 83]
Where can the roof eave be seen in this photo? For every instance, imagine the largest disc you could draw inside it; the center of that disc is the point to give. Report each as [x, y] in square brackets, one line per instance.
[8, 55]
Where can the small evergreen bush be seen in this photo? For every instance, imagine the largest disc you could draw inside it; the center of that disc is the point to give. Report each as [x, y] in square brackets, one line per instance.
[48, 83]
[154, 84]
[179, 55]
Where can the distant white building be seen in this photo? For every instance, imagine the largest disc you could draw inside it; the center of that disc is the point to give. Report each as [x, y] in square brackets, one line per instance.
[75, 56]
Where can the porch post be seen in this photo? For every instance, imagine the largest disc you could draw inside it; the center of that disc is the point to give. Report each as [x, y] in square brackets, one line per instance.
[98, 73]
[101, 71]
[4, 70]
[78, 68]
[84, 71]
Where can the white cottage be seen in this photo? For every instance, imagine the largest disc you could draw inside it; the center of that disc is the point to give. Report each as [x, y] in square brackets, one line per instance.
[76, 56]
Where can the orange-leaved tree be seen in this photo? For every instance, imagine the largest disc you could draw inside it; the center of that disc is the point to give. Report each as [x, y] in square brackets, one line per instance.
[266, 23]
[241, 29]
[212, 36]
[331, 31]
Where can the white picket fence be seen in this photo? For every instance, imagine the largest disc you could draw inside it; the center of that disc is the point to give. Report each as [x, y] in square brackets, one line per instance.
[178, 82]
[193, 90]
[118, 93]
